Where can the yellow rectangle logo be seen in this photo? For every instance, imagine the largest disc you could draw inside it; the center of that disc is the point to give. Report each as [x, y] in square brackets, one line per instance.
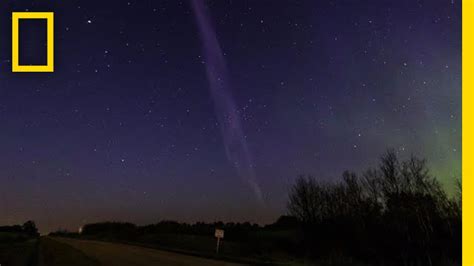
[16, 67]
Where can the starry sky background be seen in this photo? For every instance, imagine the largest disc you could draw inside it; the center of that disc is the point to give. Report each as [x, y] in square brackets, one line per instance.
[131, 125]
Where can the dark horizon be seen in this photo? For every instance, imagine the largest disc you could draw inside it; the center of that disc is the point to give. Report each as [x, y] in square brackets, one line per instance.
[361, 178]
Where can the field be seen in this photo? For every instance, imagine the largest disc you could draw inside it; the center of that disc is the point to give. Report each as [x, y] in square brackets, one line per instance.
[17, 249]
[55, 253]
[47, 251]
[121, 255]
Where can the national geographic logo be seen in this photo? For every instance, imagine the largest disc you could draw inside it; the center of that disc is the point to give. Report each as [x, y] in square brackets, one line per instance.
[16, 17]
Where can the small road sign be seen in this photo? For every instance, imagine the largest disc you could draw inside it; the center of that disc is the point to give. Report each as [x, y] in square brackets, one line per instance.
[218, 234]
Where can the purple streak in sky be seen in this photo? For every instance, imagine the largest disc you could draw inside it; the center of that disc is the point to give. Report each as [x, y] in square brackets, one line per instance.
[226, 110]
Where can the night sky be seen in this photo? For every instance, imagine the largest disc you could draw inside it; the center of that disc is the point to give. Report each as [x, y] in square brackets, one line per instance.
[208, 110]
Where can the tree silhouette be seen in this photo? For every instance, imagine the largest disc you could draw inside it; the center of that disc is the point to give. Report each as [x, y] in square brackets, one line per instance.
[29, 228]
[397, 213]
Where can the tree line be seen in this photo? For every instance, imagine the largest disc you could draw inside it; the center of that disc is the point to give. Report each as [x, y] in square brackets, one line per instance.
[396, 213]
[27, 230]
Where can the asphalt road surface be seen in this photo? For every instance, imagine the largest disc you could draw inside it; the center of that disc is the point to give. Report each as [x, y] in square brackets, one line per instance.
[127, 255]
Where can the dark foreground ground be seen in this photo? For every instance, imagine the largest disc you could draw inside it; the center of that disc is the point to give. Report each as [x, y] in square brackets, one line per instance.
[49, 251]
[105, 253]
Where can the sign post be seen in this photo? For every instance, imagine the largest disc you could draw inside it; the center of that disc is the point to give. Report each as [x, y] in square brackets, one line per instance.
[218, 234]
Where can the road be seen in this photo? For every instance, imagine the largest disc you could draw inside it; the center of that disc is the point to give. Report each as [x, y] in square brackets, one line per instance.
[127, 255]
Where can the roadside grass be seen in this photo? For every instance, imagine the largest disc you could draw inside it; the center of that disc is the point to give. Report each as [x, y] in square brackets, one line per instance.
[53, 253]
[205, 247]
